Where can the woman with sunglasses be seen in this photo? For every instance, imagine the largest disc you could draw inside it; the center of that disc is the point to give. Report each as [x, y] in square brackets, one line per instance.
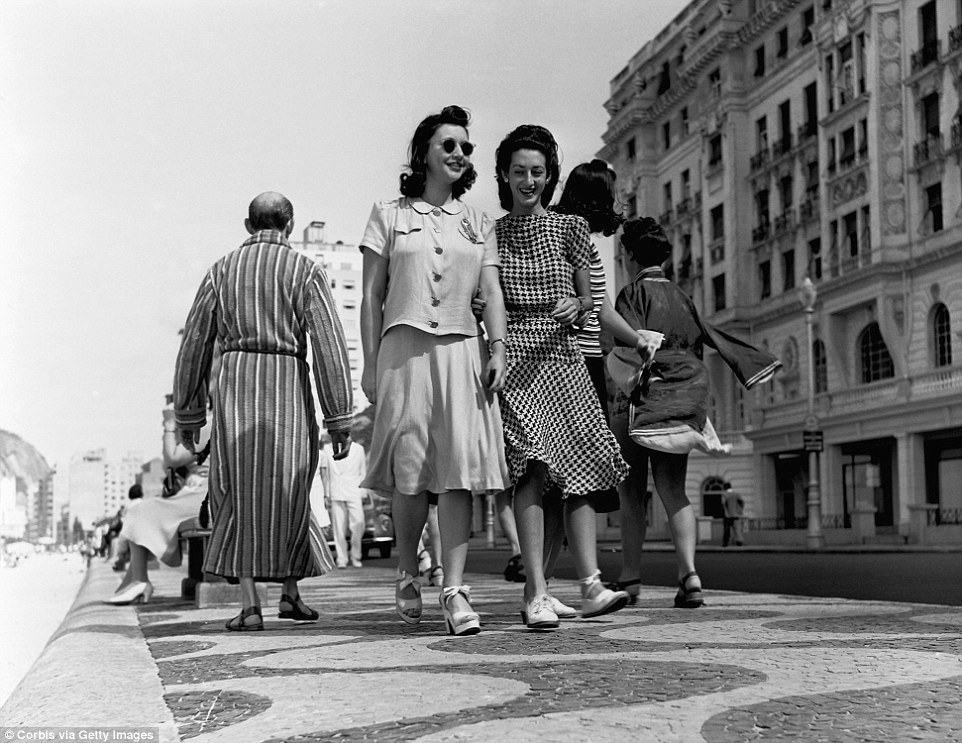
[555, 432]
[437, 427]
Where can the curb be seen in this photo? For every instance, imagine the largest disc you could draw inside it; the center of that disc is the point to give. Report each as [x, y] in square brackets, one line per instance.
[95, 671]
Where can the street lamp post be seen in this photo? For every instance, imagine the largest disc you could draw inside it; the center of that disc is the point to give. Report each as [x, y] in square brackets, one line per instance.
[812, 436]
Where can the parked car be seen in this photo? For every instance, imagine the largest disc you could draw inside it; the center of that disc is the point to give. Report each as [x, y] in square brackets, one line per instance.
[378, 524]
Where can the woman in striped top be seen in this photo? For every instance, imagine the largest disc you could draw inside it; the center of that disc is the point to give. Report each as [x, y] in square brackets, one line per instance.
[262, 305]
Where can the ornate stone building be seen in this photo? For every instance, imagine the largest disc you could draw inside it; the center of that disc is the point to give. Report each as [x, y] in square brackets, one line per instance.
[778, 140]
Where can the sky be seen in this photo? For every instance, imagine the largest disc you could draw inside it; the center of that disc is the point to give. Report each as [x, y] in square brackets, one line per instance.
[134, 135]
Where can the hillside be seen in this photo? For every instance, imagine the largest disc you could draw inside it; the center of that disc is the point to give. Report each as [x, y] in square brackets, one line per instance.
[21, 459]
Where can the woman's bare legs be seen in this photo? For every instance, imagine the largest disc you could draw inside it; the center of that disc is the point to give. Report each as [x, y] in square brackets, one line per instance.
[633, 495]
[554, 531]
[136, 568]
[410, 513]
[582, 535]
[454, 522]
[529, 517]
[669, 472]
[506, 518]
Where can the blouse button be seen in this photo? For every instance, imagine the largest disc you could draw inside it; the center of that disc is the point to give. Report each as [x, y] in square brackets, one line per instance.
[433, 324]
[437, 276]
[439, 250]
[435, 302]
[436, 212]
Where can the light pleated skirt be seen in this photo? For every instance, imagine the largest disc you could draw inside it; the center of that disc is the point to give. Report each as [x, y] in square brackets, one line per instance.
[436, 427]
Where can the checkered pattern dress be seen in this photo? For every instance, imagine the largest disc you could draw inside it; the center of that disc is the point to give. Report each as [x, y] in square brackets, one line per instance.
[549, 407]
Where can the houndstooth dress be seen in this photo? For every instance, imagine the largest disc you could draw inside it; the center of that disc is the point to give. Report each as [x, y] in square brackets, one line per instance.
[549, 407]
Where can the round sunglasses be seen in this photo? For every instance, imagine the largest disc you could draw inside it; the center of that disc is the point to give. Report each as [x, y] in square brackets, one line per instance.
[449, 144]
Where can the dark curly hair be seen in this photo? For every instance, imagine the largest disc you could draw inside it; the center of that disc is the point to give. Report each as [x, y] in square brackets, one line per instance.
[412, 182]
[589, 192]
[527, 137]
[646, 242]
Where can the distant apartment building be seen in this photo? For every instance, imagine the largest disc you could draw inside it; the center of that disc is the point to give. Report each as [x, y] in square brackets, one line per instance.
[777, 140]
[98, 486]
[343, 265]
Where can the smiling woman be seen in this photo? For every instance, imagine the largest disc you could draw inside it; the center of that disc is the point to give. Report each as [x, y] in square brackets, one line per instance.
[555, 431]
[437, 428]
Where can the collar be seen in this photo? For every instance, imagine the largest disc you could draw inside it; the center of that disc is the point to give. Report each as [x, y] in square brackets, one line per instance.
[452, 206]
[267, 236]
[651, 272]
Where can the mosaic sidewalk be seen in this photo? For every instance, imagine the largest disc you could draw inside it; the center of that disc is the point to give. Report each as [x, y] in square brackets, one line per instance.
[742, 668]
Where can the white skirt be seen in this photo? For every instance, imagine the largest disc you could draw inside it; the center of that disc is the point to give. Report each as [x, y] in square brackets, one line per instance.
[153, 522]
[436, 427]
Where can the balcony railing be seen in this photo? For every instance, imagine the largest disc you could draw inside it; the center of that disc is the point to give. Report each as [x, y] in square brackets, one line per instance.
[941, 382]
[761, 233]
[782, 146]
[684, 206]
[806, 131]
[784, 221]
[666, 217]
[759, 160]
[925, 56]
[928, 149]
[808, 210]
[696, 200]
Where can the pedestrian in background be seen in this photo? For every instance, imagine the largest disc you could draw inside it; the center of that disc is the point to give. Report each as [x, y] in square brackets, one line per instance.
[554, 429]
[262, 305]
[341, 479]
[734, 508]
[660, 415]
[437, 425]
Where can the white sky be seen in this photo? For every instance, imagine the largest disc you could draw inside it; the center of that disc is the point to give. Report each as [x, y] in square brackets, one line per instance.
[134, 134]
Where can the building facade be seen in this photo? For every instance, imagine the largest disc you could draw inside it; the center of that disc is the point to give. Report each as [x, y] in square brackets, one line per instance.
[343, 265]
[779, 140]
[98, 485]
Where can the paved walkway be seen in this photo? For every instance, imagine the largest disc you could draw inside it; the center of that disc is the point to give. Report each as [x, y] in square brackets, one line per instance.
[745, 667]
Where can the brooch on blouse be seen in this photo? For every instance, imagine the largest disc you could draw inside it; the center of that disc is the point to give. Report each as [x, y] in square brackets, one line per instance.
[468, 231]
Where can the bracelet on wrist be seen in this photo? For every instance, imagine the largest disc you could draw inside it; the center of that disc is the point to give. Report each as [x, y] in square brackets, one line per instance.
[502, 341]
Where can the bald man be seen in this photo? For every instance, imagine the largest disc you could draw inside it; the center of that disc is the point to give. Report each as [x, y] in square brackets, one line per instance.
[262, 305]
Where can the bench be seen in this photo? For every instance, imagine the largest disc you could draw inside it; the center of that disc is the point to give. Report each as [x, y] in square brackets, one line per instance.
[191, 532]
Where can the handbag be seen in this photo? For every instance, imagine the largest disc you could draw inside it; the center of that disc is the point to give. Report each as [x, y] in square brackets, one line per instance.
[176, 477]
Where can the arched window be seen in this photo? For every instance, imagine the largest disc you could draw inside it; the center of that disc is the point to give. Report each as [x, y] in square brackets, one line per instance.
[875, 357]
[820, 360]
[711, 497]
[941, 337]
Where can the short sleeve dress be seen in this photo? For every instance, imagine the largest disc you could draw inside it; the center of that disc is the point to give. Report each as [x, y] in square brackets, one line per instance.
[549, 406]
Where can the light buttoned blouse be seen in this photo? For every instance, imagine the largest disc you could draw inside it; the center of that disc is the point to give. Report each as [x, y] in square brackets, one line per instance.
[435, 255]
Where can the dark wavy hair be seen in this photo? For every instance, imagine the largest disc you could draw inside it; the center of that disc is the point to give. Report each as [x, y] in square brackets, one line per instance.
[413, 181]
[589, 192]
[646, 242]
[527, 137]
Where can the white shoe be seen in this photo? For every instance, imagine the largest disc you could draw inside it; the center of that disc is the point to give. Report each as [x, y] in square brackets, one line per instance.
[355, 563]
[459, 622]
[538, 614]
[562, 610]
[133, 594]
[597, 600]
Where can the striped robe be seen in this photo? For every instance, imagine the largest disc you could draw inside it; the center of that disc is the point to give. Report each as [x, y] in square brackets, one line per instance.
[260, 304]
